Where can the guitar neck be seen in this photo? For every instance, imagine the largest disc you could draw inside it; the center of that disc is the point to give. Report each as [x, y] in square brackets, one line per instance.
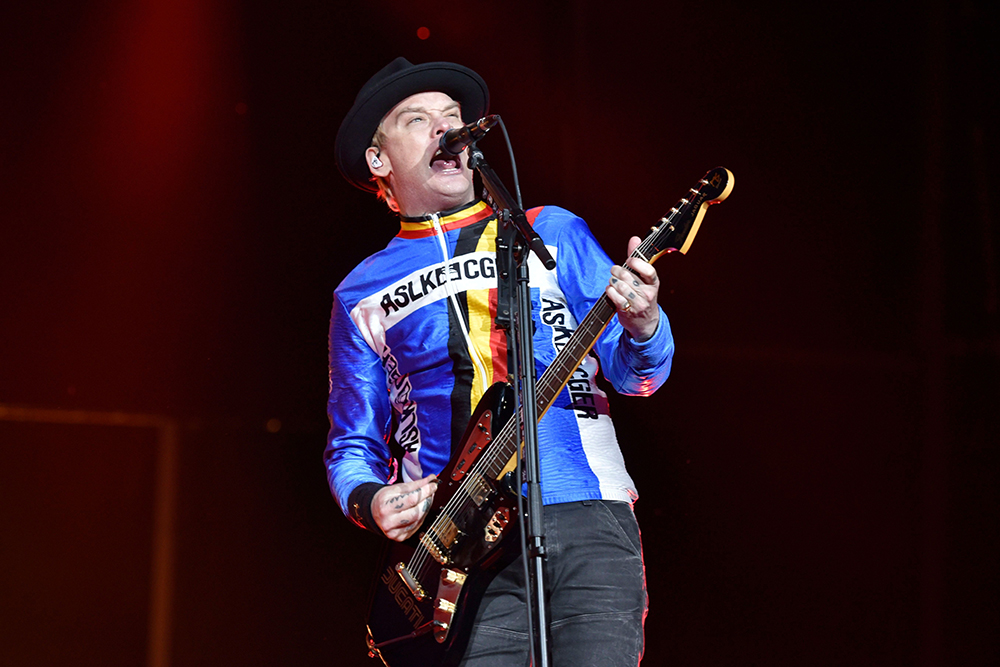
[582, 341]
[556, 376]
[573, 353]
[675, 232]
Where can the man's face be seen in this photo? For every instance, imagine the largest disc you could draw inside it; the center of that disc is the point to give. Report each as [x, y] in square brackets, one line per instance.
[423, 181]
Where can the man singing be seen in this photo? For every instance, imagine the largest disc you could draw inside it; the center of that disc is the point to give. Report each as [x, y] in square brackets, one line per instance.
[414, 345]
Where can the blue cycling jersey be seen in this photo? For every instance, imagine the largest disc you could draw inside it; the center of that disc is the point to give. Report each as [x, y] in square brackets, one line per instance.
[413, 346]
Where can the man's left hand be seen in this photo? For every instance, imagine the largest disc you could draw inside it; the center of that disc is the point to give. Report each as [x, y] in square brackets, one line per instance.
[634, 294]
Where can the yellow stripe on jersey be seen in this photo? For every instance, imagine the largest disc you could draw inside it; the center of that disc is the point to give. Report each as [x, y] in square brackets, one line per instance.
[481, 320]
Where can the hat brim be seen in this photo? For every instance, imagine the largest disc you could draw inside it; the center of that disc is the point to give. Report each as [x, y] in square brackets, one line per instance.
[360, 123]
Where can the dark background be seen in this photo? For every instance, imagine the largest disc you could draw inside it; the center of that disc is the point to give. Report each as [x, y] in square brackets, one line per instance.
[818, 476]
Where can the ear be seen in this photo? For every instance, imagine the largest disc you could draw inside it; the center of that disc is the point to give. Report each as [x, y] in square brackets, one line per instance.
[378, 164]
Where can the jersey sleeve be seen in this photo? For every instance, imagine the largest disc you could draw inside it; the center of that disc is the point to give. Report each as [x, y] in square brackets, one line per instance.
[359, 411]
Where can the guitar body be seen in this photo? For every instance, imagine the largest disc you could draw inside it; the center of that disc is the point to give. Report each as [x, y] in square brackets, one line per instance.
[428, 589]
[423, 580]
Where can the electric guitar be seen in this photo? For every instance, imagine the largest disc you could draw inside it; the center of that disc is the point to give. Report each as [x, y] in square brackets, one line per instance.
[428, 588]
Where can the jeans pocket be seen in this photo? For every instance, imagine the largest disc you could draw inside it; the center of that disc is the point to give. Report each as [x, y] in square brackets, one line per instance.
[621, 516]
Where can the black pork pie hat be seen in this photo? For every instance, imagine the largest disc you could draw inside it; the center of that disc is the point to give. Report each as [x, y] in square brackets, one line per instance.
[390, 86]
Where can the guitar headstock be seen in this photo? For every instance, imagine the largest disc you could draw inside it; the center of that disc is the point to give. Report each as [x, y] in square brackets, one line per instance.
[677, 229]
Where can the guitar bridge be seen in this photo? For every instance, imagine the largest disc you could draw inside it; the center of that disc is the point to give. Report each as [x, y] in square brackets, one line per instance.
[434, 549]
[410, 581]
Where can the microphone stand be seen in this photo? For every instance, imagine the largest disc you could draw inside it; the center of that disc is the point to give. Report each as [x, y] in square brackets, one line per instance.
[515, 239]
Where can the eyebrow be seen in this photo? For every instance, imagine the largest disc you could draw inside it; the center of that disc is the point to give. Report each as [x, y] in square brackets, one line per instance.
[406, 110]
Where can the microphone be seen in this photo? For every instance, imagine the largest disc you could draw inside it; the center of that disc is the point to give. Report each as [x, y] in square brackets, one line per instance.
[454, 141]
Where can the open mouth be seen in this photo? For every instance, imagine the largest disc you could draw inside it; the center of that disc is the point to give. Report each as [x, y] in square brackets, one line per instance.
[442, 161]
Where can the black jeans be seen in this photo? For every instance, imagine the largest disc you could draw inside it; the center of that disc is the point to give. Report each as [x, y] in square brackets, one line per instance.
[596, 593]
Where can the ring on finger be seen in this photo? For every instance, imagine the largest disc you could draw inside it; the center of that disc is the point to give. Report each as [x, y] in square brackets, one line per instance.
[628, 306]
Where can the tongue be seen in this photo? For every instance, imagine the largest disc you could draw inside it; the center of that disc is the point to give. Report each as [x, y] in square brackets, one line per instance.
[442, 161]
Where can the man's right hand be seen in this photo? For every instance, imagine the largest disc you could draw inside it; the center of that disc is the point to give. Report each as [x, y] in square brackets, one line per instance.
[399, 509]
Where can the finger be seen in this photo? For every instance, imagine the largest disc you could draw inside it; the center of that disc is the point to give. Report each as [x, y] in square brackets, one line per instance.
[640, 262]
[629, 286]
[418, 502]
[407, 487]
[633, 243]
[399, 500]
[640, 266]
[411, 502]
[402, 533]
[424, 486]
[403, 496]
[422, 482]
[620, 301]
[643, 270]
[426, 496]
[413, 519]
[401, 524]
[623, 280]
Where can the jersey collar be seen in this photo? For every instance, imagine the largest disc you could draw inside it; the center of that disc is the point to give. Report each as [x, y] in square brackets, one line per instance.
[456, 218]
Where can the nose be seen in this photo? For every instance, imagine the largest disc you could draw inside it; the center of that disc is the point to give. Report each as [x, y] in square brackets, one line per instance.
[441, 125]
